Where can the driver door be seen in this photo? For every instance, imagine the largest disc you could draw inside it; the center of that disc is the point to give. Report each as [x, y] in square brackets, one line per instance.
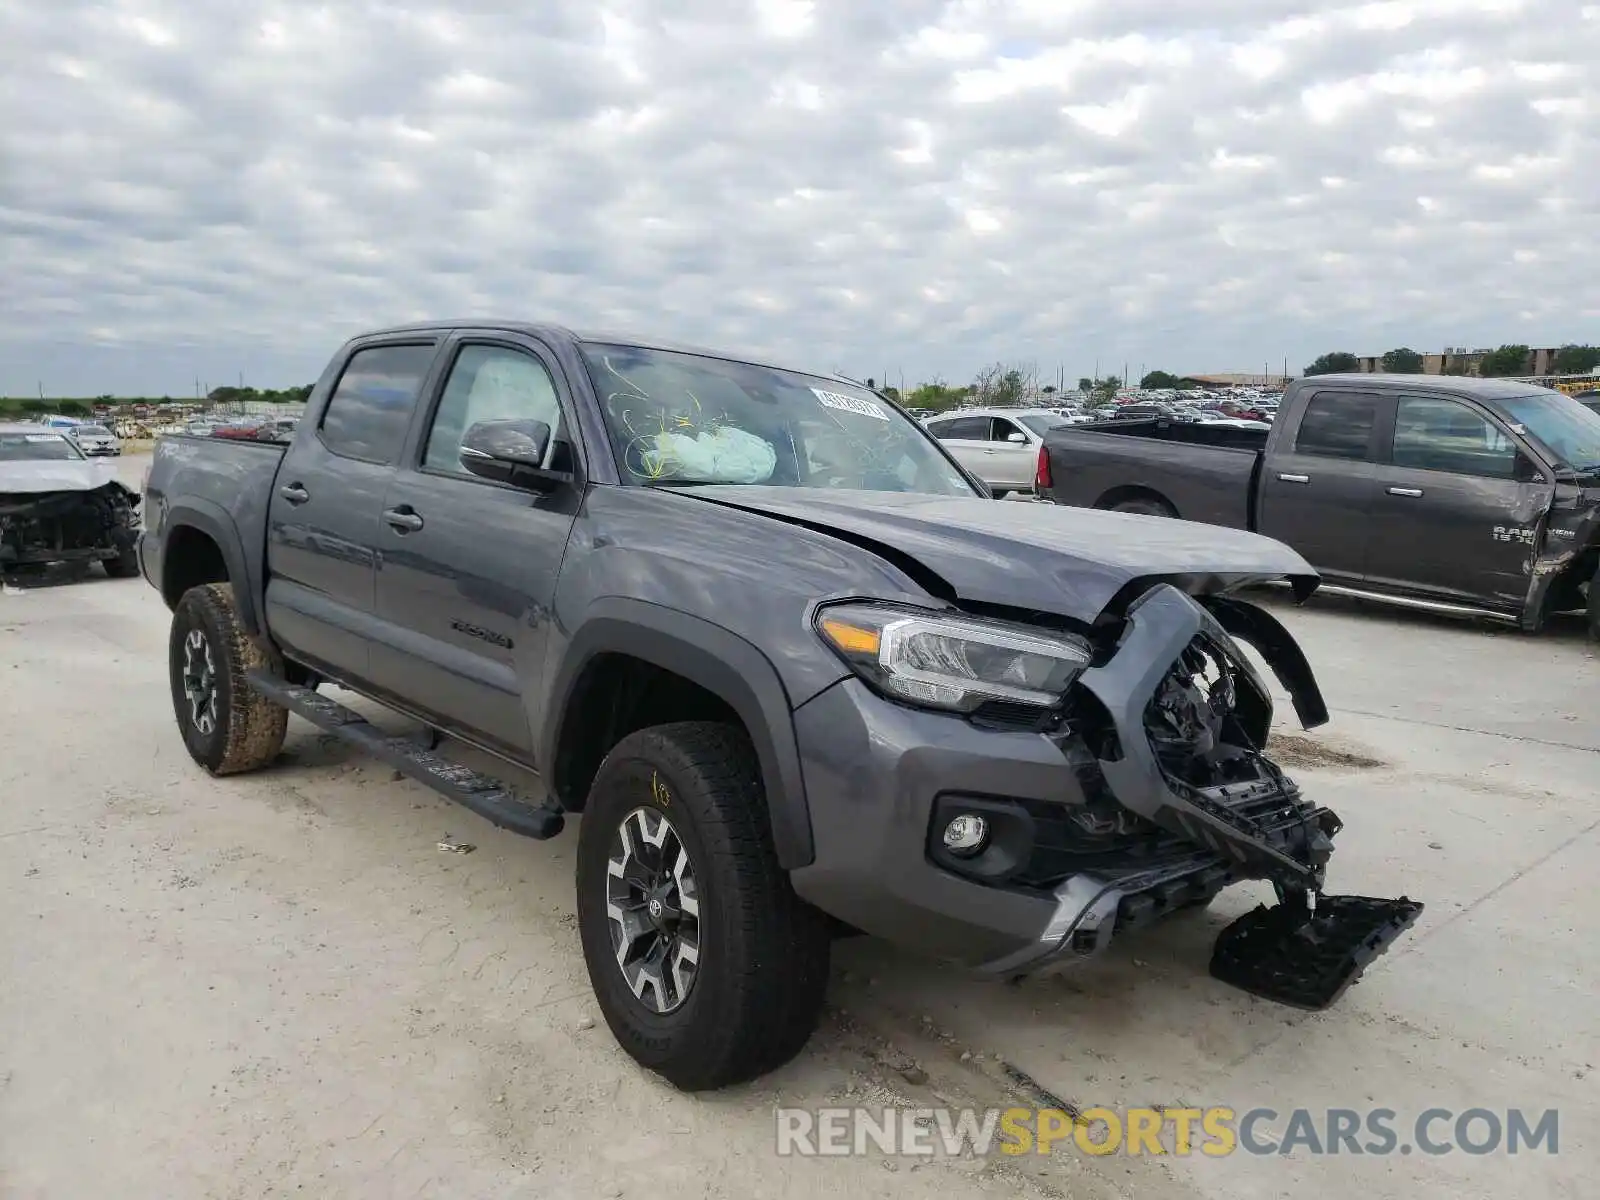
[467, 566]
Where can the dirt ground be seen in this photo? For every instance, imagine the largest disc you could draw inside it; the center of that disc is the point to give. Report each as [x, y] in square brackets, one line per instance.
[278, 985]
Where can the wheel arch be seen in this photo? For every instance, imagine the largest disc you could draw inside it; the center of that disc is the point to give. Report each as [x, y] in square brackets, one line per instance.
[1134, 491]
[720, 664]
[199, 537]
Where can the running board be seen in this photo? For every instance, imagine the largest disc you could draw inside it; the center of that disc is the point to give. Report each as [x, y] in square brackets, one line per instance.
[1443, 608]
[489, 798]
[1306, 958]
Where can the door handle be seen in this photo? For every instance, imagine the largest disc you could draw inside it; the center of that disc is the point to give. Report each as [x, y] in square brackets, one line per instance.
[1405, 491]
[403, 519]
[988, 451]
[1294, 478]
[294, 493]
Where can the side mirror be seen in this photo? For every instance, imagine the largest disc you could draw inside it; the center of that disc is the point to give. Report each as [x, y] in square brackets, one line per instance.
[511, 451]
[1015, 438]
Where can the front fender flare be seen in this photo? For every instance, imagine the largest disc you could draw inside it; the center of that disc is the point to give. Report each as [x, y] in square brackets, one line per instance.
[719, 661]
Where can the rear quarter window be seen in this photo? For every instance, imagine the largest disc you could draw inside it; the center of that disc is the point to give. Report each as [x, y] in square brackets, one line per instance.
[370, 409]
[1337, 425]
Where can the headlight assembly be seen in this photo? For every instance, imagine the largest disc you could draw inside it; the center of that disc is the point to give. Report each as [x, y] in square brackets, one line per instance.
[953, 663]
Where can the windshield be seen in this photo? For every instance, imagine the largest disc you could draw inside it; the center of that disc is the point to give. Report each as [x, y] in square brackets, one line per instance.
[94, 430]
[1568, 430]
[37, 447]
[677, 418]
[1041, 424]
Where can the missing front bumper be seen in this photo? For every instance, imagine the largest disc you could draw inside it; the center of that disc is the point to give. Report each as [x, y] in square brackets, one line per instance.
[1307, 959]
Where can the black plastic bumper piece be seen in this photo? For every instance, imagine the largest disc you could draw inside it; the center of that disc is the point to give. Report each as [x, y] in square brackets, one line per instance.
[487, 797]
[1307, 959]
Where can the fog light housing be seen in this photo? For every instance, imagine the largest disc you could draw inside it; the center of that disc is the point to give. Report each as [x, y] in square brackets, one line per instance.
[966, 834]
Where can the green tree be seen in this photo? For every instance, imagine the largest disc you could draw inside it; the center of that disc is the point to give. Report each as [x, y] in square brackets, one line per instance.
[1508, 360]
[892, 392]
[1048, 389]
[1106, 390]
[73, 408]
[1334, 363]
[1404, 361]
[1160, 380]
[1573, 359]
[34, 406]
[1009, 387]
[1085, 384]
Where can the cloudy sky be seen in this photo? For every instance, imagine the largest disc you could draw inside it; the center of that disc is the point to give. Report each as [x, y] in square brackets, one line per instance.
[220, 188]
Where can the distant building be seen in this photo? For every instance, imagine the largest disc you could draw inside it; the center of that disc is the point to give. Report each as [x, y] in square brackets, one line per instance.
[1237, 379]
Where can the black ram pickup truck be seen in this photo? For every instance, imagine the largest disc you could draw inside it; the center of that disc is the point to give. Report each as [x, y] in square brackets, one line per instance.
[800, 674]
[1454, 494]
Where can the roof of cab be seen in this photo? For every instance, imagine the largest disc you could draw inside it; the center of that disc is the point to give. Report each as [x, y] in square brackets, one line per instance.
[548, 330]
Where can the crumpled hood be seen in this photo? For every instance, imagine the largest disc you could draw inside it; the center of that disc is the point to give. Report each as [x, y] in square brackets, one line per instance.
[23, 478]
[1076, 562]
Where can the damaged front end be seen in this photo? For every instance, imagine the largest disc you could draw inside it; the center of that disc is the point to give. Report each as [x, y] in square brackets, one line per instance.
[1177, 721]
[43, 529]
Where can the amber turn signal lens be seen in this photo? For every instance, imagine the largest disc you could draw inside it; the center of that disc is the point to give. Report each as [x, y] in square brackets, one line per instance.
[850, 639]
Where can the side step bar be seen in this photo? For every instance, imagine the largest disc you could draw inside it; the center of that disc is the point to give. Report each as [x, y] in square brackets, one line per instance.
[487, 797]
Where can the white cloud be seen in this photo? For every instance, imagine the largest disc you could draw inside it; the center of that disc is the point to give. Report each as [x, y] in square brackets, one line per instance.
[933, 184]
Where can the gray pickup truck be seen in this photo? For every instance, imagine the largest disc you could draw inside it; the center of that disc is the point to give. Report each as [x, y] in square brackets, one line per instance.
[799, 673]
[1459, 495]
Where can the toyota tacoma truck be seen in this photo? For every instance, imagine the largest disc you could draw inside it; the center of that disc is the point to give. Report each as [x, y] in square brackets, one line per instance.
[1472, 496]
[800, 674]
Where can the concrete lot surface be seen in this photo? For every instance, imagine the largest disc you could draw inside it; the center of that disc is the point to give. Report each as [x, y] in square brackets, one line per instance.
[277, 984]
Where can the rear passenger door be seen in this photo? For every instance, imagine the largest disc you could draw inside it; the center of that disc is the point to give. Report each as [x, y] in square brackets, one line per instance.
[1013, 457]
[1458, 504]
[1316, 488]
[967, 439]
[322, 519]
[467, 567]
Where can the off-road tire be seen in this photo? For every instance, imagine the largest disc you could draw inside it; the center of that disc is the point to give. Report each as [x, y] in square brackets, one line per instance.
[248, 730]
[1145, 505]
[125, 565]
[763, 967]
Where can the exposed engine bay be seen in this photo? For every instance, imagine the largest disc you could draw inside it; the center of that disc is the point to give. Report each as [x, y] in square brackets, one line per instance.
[39, 529]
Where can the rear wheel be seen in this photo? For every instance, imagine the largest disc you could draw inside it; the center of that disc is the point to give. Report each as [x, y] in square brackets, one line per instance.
[708, 968]
[1150, 506]
[226, 727]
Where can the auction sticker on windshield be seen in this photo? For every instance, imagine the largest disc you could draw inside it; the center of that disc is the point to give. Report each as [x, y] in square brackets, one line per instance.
[850, 404]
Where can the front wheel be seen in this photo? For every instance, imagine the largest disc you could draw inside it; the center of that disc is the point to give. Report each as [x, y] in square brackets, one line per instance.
[226, 727]
[125, 565]
[708, 968]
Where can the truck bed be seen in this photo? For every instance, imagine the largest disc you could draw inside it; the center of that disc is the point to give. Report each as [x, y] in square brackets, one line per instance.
[1204, 472]
[225, 486]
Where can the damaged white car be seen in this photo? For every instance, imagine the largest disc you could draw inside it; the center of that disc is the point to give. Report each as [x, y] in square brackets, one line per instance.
[59, 507]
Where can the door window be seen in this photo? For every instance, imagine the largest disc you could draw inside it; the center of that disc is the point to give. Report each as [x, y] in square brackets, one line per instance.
[489, 383]
[370, 409]
[1432, 433]
[1003, 429]
[1337, 425]
[964, 429]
